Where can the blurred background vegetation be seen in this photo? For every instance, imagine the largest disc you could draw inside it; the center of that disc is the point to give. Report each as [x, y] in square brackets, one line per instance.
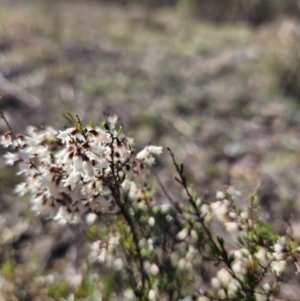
[217, 81]
[253, 12]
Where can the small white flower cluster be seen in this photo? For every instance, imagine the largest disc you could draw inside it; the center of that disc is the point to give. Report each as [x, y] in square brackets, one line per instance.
[78, 170]
[225, 280]
[269, 264]
[224, 210]
[265, 263]
[230, 281]
[105, 252]
[268, 261]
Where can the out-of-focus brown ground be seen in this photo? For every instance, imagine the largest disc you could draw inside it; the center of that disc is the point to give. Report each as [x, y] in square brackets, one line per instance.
[215, 94]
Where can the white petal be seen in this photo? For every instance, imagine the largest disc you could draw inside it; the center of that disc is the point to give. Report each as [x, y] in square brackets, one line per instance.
[63, 135]
[97, 148]
[72, 180]
[24, 155]
[10, 158]
[142, 154]
[77, 163]
[155, 149]
[88, 168]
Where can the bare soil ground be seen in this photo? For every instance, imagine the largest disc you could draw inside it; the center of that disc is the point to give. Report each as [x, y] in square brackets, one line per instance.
[212, 93]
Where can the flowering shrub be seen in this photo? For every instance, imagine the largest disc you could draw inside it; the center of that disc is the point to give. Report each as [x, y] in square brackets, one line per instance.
[78, 170]
[189, 250]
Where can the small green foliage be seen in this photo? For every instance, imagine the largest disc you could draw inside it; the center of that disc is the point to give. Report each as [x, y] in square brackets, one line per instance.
[291, 245]
[79, 141]
[7, 269]
[79, 127]
[59, 290]
[84, 290]
[221, 242]
[95, 233]
[92, 124]
[106, 126]
[119, 132]
[70, 118]
[264, 233]
[178, 180]
[181, 168]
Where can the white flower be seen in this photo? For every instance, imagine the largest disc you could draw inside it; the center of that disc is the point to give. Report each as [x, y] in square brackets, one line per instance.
[220, 195]
[181, 264]
[244, 215]
[215, 283]
[149, 160]
[150, 244]
[118, 264]
[6, 140]
[21, 189]
[165, 208]
[31, 142]
[145, 155]
[279, 245]
[11, 158]
[41, 151]
[154, 269]
[93, 188]
[88, 168]
[64, 135]
[142, 154]
[182, 235]
[220, 209]
[155, 149]
[122, 150]
[91, 218]
[77, 163]
[129, 294]
[152, 295]
[23, 169]
[101, 164]
[63, 156]
[267, 287]
[151, 221]
[72, 179]
[278, 248]
[233, 286]
[62, 215]
[239, 267]
[40, 204]
[233, 215]
[24, 155]
[31, 130]
[278, 267]
[97, 148]
[135, 193]
[126, 184]
[224, 277]
[112, 120]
